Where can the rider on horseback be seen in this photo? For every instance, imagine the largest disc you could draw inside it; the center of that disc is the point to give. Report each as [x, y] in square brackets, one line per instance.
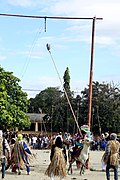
[77, 148]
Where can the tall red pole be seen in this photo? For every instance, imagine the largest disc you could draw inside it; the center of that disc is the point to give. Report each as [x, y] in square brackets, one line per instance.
[91, 74]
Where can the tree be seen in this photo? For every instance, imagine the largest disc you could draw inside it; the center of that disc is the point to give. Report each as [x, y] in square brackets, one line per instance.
[66, 83]
[66, 86]
[105, 107]
[13, 102]
[49, 100]
[45, 100]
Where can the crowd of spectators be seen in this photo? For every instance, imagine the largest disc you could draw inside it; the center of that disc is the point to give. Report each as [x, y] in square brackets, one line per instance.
[38, 141]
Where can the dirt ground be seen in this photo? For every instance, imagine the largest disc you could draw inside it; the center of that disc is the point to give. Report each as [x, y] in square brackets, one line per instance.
[40, 162]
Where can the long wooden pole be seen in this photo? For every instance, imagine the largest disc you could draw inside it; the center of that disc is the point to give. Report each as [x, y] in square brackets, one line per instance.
[48, 17]
[91, 74]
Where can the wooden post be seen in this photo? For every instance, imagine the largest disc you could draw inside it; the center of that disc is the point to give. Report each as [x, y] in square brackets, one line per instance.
[36, 126]
[91, 74]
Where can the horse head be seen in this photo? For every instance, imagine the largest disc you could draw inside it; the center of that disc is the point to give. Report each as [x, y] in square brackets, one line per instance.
[87, 142]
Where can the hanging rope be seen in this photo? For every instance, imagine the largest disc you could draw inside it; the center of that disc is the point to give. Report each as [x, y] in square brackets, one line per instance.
[24, 69]
[48, 48]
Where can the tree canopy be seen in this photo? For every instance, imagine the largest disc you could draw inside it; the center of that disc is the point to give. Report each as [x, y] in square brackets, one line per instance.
[105, 115]
[13, 102]
[105, 108]
[52, 101]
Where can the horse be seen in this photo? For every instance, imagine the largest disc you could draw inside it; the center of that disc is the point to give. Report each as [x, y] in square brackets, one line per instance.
[81, 156]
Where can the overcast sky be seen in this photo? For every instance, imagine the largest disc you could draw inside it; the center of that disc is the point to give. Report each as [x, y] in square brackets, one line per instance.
[23, 42]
